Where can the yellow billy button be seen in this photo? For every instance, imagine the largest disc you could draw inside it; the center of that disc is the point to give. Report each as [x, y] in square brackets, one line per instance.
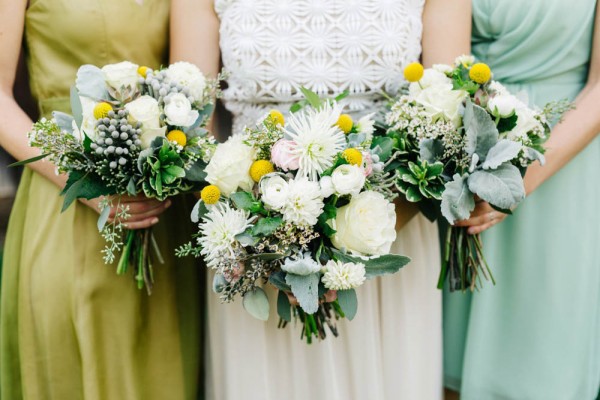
[413, 72]
[101, 110]
[260, 168]
[353, 156]
[480, 73]
[143, 71]
[277, 117]
[345, 123]
[178, 137]
[210, 194]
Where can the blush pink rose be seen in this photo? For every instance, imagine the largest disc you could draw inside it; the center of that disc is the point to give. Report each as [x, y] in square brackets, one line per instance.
[282, 155]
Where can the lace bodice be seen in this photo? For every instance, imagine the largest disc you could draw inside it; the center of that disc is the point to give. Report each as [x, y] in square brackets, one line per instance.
[271, 48]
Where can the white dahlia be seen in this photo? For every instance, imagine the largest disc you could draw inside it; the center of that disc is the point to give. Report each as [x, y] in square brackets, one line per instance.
[318, 139]
[343, 276]
[219, 228]
[304, 202]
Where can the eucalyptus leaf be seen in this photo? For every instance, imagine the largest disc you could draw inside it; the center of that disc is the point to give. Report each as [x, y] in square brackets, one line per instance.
[247, 239]
[481, 132]
[76, 107]
[502, 187]
[348, 302]
[219, 283]
[503, 151]
[91, 83]
[277, 279]
[83, 185]
[306, 290]
[103, 218]
[266, 226]
[257, 304]
[242, 200]
[284, 307]
[457, 200]
[383, 147]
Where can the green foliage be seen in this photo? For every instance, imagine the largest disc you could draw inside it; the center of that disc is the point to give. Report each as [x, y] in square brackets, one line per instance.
[163, 170]
[457, 200]
[277, 279]
[507, 124]
[306, 289]
[83, 185]
[462, 81]
[91, 83]
[284, 307]
[481, 131]
[503, 151]
[243, 200]
[329, 213]
[257, 304]
[502, 187]
[348, 302]
[383, 147]
[266, 226]
[375, 266]
[76, 107]
[421, 181]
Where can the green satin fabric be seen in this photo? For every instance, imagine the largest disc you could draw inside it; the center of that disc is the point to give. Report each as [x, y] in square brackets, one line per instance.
[70, 328]
[536, 334]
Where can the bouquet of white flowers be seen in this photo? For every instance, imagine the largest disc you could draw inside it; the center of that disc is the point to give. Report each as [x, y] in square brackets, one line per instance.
[133, 130]
[303, 205]
[456, 136]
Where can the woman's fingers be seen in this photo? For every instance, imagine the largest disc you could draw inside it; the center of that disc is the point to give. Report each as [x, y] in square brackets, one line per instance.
[144, 223]
[480, 215]
[145, 207]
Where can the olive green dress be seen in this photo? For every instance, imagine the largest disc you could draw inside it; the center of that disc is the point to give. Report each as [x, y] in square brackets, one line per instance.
[70, 327]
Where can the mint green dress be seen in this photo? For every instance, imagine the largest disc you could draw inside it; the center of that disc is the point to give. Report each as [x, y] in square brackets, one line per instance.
[536, 334]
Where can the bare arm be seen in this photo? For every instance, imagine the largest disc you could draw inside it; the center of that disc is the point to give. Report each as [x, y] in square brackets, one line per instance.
[579, 127]
[446, 35]
[195, 34]
[14, 123]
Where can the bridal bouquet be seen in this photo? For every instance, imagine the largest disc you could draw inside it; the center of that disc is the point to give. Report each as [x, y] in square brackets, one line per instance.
[459, 136]
[133, 131]
[304, 206]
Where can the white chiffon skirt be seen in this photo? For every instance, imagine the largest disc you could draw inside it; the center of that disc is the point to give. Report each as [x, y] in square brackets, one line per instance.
[391, 350]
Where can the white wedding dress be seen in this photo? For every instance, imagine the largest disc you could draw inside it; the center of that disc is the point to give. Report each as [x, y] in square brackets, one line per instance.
[393, 348]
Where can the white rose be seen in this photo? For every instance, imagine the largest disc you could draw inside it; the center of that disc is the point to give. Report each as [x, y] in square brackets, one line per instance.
[178, 111]
[121, 74]
[188, 76]
[526, 123]
[348, 179]
[503, 106]
[367, 225]
[145, 110]
[431, 77]
[326, 184]
[274, 190]
[442, 102]
[229, 167]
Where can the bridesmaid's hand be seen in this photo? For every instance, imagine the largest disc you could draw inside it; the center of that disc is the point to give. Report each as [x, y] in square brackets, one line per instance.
[143, 211]
[482, 218]
[405, 211]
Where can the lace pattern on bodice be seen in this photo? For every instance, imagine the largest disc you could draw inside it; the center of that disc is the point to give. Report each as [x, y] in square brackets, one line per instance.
[272, 48]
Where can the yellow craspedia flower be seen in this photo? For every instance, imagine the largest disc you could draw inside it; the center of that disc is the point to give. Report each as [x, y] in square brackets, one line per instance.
[353, 156]
[414, 72]
[101, 110]
[210, 194]
[277, 117]
[480, 73]
[142, 71]
[260, 168]
[345, 123]
[178, 137]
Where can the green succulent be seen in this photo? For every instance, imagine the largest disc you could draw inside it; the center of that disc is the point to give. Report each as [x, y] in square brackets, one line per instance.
[421, 180]
[163, 170]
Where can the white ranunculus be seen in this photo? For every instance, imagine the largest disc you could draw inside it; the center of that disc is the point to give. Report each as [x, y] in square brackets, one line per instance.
[145, 110]
[526, 123]
[442, 102]
[326, 184]
[273, 188]
[431, 77]
[304, 203]
[229, 167]
[178, 111]
[367, 225]
[304, 265]
[348, 179]
[503, 106]
[123, 74]
[189, 76]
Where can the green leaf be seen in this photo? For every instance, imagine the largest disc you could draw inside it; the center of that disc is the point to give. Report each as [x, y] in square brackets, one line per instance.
[219, 283]
[242, 200]
[298, 106]
[342, 95]
[76, 107]
[306, 289]
[83, 185]
[197, 172]
[313, 99]
[131, 188]
[507, 124]
[266, 257]
[348, 302]
[481, 131]
[277, 279]
[383, 147]
[283, 307]
[257, 304]
[103, 218]
[91, 83]
[64, 121]
[266, 226]
[247, 239]
[535, 155]
[505, 150]
[384, 265]
[431, 150]
[29, 160]
[413, 194]
[457, 201]
[434, 170]
[502, 187]
[175, 171]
